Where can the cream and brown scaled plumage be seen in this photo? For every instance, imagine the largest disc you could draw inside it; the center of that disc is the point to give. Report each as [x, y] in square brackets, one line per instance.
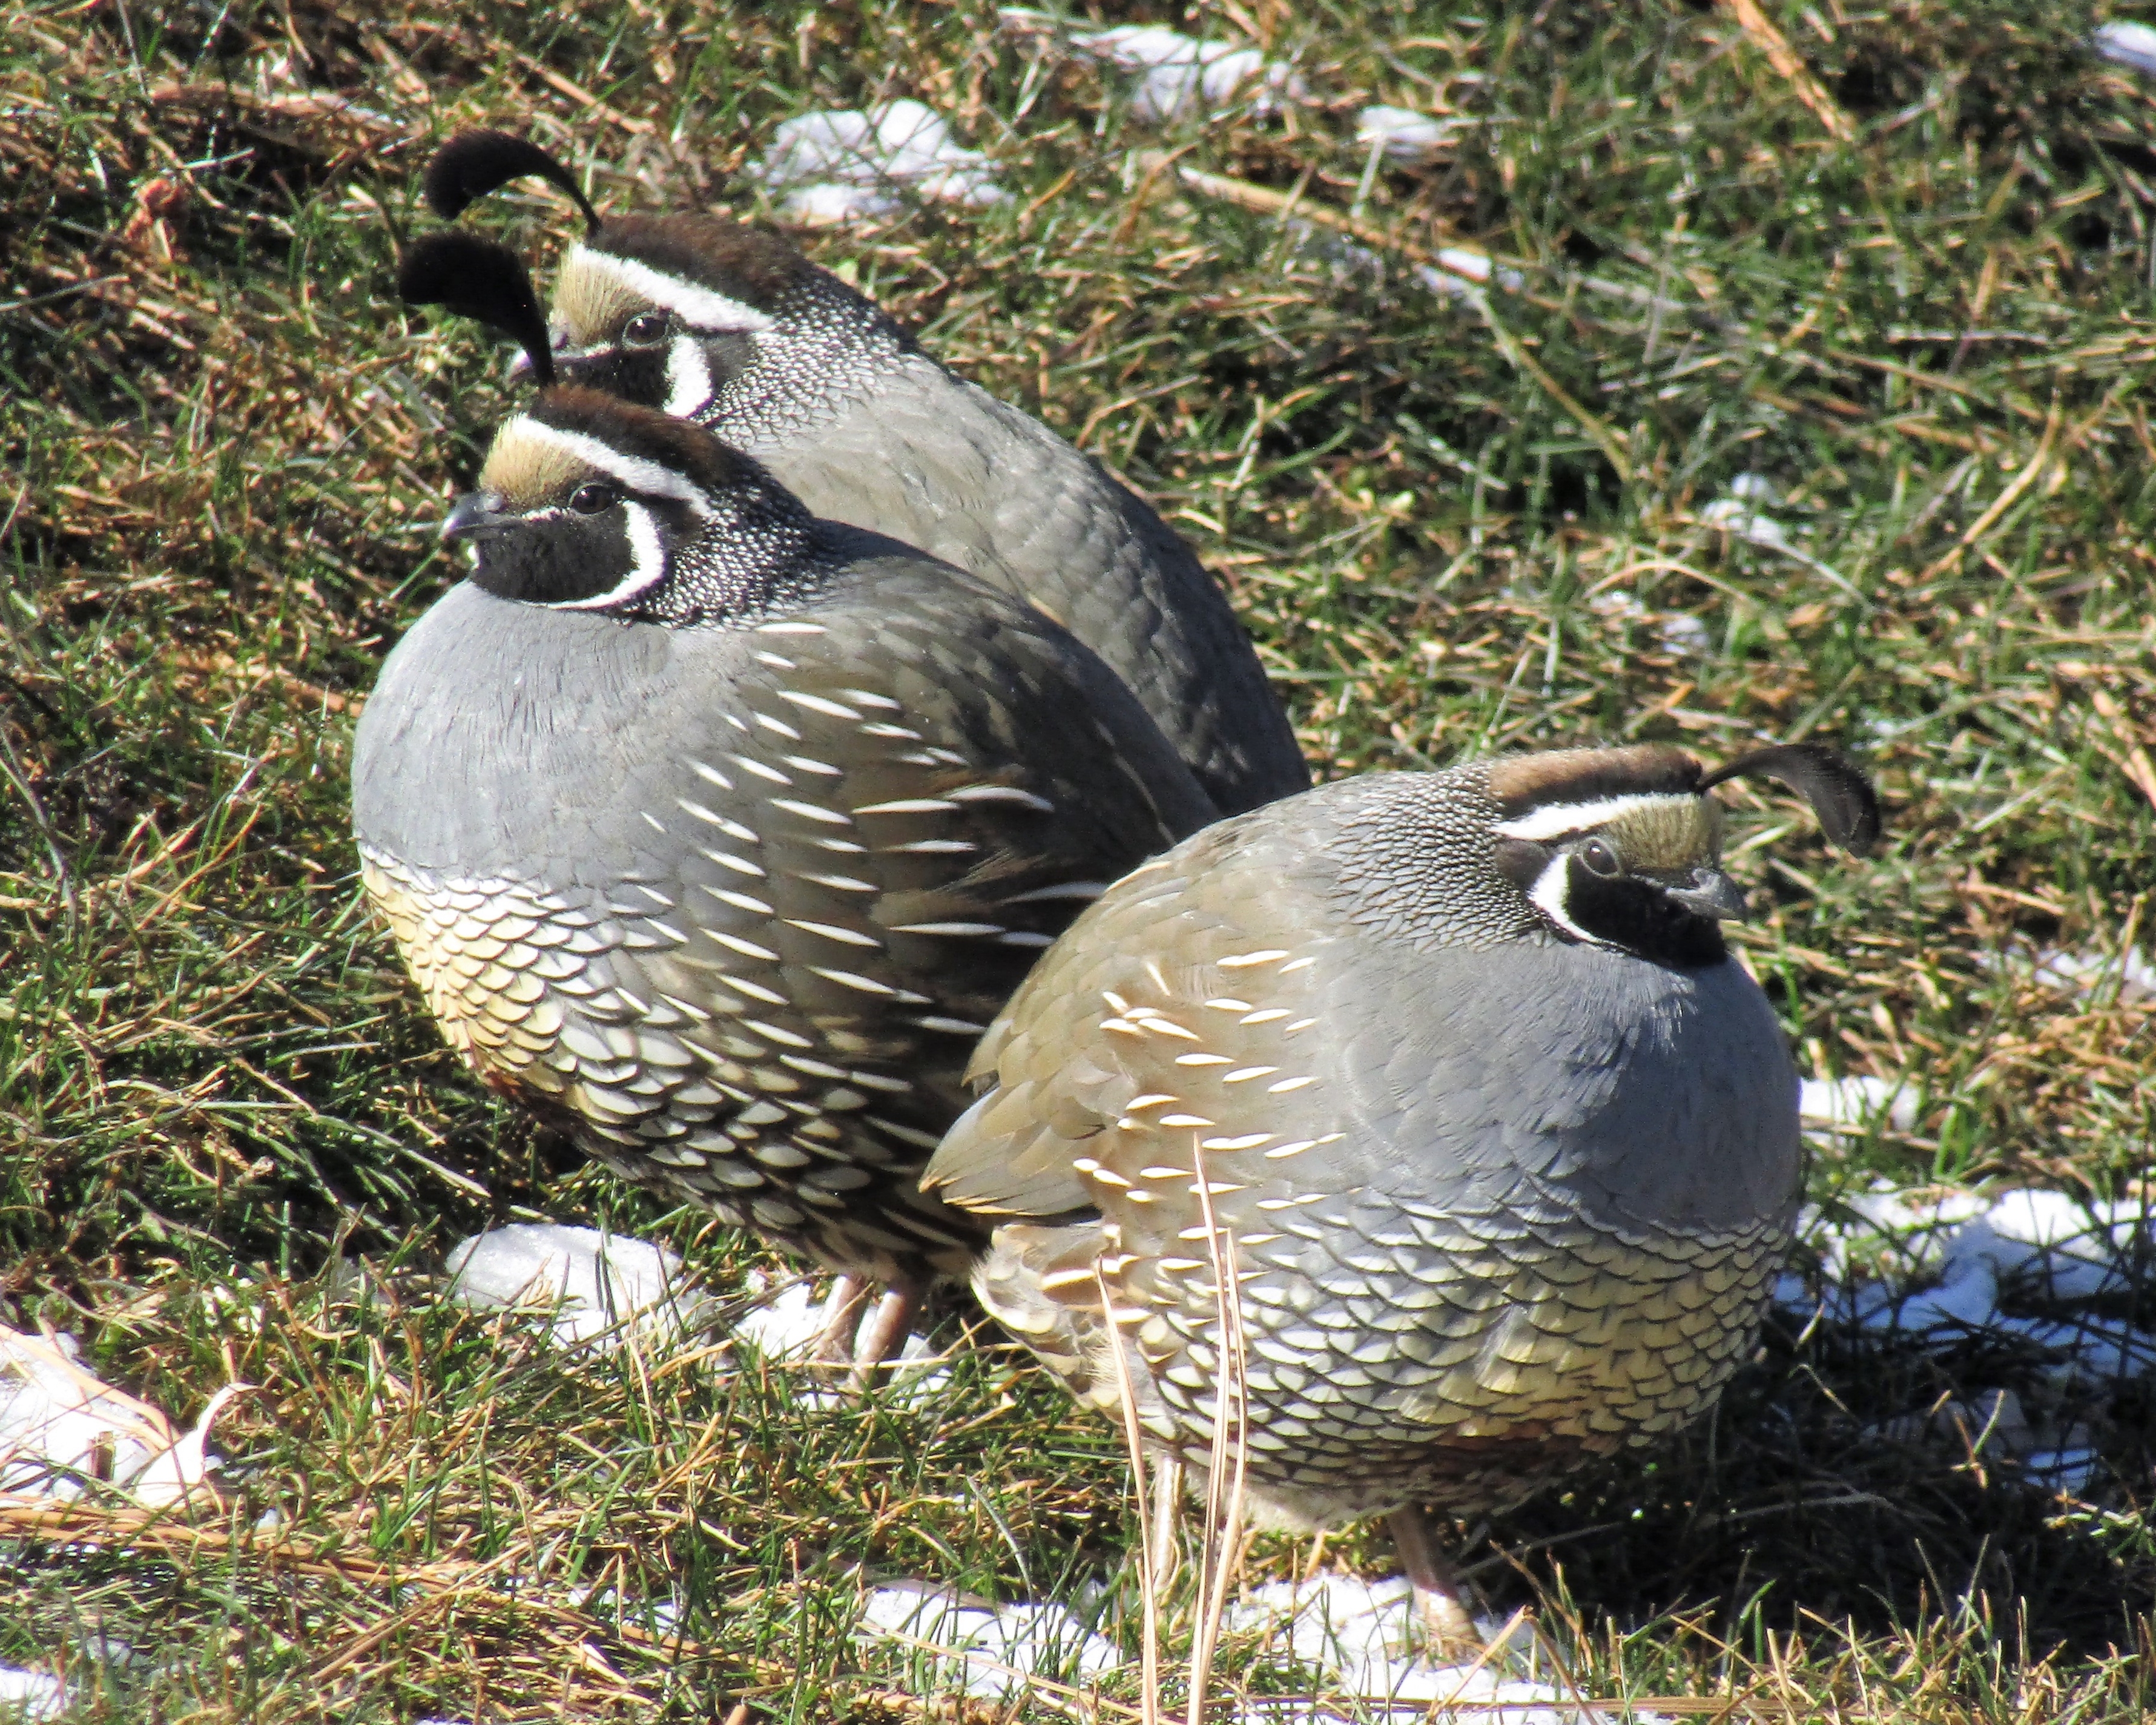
[716, 834]
[726, 323]
[1502, 1143]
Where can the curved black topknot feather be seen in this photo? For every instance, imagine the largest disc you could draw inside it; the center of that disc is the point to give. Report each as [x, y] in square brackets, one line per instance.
[473, 163]
[479, 279]
[1842, 798]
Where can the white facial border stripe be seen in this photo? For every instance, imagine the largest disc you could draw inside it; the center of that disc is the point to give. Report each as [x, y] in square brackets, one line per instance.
[633, 471]
[688, 376]
[699, 307]
[647, 562]
[1555, 820]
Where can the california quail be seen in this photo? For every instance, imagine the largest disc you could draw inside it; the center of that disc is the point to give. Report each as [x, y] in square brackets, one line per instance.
[715, 834]
[731, 326]
[1501, 1141]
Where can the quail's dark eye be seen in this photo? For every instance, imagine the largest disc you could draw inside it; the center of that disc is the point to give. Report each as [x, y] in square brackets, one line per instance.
[647, 329]
[593, 499]
[1600, 858]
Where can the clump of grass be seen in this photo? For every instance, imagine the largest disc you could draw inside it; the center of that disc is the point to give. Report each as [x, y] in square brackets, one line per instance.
[1922, 350]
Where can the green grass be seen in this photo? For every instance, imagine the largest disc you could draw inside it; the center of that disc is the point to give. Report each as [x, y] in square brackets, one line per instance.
[225, 447]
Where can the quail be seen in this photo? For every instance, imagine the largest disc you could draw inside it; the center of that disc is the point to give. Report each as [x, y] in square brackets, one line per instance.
[716, 834]
[729, 325]
[1500, 1142]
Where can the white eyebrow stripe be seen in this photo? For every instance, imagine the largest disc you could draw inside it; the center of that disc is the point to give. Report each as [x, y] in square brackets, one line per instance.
[647, 563]
[1554, 820]
[701, 307]
[634, 473]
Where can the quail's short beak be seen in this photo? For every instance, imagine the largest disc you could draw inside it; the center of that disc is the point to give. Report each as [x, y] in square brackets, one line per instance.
[1713, 893]
[475, 516]
[558, 338]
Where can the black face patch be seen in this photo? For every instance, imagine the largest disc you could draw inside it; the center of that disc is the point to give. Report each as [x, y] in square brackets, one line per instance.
[633, 374]
[1640, 917]
[556, 559]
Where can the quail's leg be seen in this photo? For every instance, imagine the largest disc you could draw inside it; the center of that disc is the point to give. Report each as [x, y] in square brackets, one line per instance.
[842, 1314]
[1166, 1556]
[1441, 1600]
[883, 1331]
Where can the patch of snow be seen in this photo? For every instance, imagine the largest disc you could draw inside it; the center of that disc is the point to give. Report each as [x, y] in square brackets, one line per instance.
[1679, 631]
[1181, 76]
[840, 164]
[2127, 44]
[595, 1286]
[2068, 1471]
[2134, 971]
[1686, 636]
[1955, 1262]
[1850, 1106]
[1403, 137]
[61, 1425]
[1362, 1633]
[787, 1328]
[1755, 488]
[1460, 274]
[31, 1695]
[1737, 516]
[1965, 1298]
[2077, 1250]
[988, 1649]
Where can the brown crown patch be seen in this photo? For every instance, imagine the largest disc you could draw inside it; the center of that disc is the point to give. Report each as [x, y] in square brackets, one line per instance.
[1520, 783]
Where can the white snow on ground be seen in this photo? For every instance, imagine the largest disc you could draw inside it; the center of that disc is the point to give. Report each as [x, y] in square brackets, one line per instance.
[787, 1327]
[843, 165]
[1360, 1631]
[1178, 76]
[1680, 631]
[1461, 273]
[1853, 1104]
[62, 1426]
[2132, 973]
[2127, 45]
[31, 1695]
[600, 1288]
[1738, 515]
[1403, 137]
[1948, 1268]
[595, 1285]
[987, 1644]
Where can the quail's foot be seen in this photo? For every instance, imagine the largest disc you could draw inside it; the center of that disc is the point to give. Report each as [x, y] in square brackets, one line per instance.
[1442, 1604]
[1165, 1558]
[842, 1319]
[883, 1332]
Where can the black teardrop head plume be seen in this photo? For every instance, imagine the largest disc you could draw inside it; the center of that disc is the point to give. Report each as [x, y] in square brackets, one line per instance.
[479, 279]
[1842, 798]
[473, 163]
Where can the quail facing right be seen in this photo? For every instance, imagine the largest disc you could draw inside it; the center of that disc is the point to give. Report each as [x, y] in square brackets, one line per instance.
[1455, 1071]
[729, 325]
[716, 834]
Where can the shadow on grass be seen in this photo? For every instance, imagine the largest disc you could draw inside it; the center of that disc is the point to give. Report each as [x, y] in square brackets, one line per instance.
[1787, 1510]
